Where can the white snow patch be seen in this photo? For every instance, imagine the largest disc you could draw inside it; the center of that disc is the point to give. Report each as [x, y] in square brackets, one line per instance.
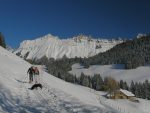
[116, 71]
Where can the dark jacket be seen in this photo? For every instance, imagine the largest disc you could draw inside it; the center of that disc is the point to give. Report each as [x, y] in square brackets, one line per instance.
[31, 71]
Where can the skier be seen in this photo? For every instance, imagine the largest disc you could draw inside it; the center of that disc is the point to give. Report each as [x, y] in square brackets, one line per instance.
[31, 73]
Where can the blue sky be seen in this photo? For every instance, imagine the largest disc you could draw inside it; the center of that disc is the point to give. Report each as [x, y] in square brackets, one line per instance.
[28, 19]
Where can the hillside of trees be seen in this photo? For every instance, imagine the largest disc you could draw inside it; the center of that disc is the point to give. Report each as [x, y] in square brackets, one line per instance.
[132, 53]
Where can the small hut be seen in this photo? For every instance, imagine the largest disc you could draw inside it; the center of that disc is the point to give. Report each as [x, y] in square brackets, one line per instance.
[121, 94]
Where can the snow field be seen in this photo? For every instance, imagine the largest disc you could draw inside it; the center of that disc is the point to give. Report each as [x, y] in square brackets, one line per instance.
[57, 96]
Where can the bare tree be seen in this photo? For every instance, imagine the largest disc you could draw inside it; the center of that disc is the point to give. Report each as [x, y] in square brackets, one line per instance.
[112, 85]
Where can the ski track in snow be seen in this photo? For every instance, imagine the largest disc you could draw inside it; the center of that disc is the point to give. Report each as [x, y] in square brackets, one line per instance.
[49, 100]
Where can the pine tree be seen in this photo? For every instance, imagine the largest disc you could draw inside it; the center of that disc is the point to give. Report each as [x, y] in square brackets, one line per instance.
[81, 78]
[90, 82]
[121, 84]
[2, 40]
[132, 87]
[146, 88]
[137, 90]
[97, 82]
[125, 86]
[59, 75]
[76, 81]
[85, 81]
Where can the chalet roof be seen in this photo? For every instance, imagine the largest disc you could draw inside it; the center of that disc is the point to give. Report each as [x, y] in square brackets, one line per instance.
[127, 93]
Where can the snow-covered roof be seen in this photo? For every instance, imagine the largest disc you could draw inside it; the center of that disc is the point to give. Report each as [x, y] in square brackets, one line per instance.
[127, 92]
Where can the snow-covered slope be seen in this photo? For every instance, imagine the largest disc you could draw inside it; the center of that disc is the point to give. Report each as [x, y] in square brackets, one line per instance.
[53, 47]
[116, 71]
[57, 96]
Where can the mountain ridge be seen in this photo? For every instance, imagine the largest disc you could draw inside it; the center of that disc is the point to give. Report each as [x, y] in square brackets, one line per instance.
[54, 47]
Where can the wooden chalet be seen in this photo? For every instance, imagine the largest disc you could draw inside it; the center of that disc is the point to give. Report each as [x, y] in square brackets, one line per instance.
[121, 94]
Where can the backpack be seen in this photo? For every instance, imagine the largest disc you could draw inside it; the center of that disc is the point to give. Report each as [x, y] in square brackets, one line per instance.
[36, 71]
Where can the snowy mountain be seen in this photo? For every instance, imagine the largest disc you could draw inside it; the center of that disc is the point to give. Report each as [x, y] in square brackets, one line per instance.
[53, 47]
[57, 96]
[140, 35]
